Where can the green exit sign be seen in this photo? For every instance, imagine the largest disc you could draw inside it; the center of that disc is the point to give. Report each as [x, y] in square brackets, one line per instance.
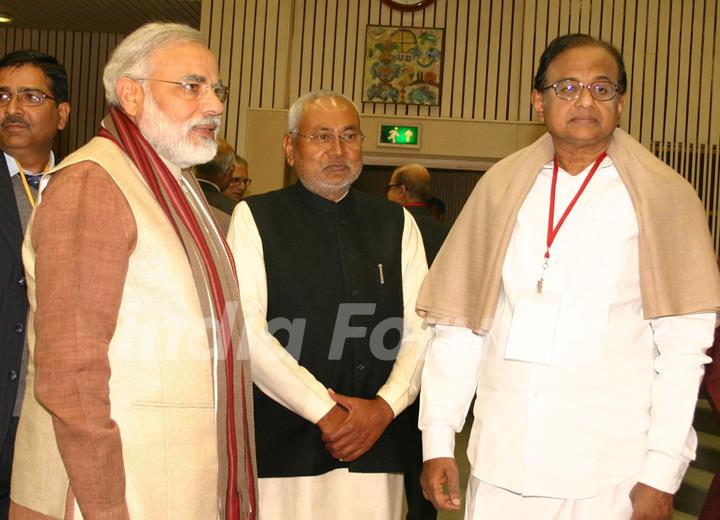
[399, 135]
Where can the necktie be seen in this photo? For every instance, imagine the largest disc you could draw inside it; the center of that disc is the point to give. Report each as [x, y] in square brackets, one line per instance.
[33, 180]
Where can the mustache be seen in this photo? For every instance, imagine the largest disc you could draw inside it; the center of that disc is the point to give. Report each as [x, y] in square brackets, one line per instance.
[213, 121]
[335, 164]
[12, 119]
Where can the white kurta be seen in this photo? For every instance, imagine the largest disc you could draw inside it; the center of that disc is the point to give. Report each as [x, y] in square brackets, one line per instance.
[616, 399]
[278, 374]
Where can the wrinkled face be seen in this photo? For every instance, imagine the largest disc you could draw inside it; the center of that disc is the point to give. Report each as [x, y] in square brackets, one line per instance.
[327, 169]
[238, 183]
[180, 125]
[582, 122]
[25, 127]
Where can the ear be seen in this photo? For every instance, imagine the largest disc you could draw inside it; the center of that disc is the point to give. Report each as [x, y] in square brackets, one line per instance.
[620, 105]
[403, 193]
[131, 96]
[538, 102]
[289, 149]
[63, 114]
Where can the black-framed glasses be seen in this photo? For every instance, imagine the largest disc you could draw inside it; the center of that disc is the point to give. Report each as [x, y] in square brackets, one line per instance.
[25, 97]
[570, 89]
[329, 139]
[388, 187]
[193, 89]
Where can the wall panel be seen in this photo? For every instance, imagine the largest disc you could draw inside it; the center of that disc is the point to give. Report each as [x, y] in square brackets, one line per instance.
[84, 56]
[280, 49]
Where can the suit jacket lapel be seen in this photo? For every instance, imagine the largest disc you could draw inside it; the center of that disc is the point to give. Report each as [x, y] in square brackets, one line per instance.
[10, 228]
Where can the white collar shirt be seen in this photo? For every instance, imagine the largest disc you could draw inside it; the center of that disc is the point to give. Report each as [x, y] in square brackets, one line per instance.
[13, 168]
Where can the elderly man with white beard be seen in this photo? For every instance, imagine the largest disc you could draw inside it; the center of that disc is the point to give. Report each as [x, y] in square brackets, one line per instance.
[128, 275]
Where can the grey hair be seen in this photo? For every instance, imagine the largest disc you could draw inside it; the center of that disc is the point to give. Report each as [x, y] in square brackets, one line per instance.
[241, 161]
[298, 107]
[223, 160]
[130, 59]
[416, 179]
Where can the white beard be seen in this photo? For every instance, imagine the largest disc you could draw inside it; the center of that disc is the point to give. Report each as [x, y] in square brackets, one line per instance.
[171, 140]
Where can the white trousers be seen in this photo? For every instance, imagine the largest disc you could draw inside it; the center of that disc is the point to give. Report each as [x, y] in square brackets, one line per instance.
[336, 495]
[487, 502]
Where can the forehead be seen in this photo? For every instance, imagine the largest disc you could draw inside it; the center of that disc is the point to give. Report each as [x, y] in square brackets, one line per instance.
[27, 76]
[182, 60]
[583, 63]
[240, 171]
[330, 113]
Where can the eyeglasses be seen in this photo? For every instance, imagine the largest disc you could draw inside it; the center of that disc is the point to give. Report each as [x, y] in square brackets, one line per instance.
[27, 97]
[193, 89]
[329, 139]
[569, 89]
[238, 180]
[388, 187]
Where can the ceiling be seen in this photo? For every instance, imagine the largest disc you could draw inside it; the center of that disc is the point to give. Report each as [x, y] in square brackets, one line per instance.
[111, 16]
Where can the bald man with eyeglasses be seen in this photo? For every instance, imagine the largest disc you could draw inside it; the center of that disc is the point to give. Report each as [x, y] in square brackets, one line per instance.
[329, 277]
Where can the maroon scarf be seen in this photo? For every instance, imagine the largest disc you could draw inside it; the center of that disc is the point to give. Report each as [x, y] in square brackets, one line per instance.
[120, 129]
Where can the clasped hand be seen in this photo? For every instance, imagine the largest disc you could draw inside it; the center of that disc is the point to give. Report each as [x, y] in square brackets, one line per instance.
[354, 425]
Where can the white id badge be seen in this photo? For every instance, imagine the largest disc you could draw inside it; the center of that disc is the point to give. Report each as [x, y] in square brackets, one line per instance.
[533, 326]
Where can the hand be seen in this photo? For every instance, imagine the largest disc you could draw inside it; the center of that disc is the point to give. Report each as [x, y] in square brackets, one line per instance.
[332, 420]
[650, 503]
[437, 474]
[365, 423]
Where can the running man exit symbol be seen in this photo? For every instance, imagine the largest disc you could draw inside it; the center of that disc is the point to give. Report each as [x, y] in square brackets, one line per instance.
[397, 135]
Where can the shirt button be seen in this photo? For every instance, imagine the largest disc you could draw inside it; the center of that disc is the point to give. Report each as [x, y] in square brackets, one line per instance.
[21, 282]
[19, 328]
[12, 375]
[360, 367]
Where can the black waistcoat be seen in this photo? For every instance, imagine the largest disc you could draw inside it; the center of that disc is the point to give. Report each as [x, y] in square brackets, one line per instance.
[320, 259]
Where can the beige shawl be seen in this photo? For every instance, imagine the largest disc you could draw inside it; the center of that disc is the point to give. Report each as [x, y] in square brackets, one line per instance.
[678, 270]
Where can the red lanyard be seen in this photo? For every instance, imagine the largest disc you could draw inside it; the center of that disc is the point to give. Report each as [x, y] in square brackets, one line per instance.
[553, 231]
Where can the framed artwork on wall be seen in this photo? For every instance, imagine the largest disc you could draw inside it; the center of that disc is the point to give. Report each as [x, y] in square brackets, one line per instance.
[403, 65]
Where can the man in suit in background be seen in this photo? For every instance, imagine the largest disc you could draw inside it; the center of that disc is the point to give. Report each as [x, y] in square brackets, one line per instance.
[411, 186]
[33, 108]
[215, 175]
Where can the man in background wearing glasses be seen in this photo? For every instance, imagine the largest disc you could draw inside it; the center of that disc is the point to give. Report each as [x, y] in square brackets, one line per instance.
[138, 383]
[240, 181]
[33, 108]
[329, 278]
[575, 296]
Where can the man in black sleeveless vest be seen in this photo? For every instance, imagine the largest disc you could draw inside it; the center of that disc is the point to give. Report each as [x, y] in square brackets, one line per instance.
[329, 278]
